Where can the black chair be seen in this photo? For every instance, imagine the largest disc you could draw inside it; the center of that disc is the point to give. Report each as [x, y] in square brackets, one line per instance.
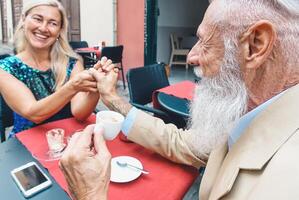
[6, 118]
[142, 82]
[88, 58]
[6, 114]
[78, 44]
[176, 108]
[115, 53]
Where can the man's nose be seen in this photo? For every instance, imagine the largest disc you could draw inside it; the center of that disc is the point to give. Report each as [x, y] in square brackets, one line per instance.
[192, 57]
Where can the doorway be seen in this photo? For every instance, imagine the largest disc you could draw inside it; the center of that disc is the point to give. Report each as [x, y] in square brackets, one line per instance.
[180, 18]
[72, 8]
[165, 17]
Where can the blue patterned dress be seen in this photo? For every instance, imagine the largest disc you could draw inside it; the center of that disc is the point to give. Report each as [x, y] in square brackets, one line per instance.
[41, 84]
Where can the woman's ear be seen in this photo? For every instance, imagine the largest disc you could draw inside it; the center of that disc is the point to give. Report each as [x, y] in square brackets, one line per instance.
[257, 43]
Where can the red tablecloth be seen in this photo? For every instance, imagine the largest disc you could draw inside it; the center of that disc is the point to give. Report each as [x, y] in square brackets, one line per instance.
[182, 89]
[167, 180]
[90, 50]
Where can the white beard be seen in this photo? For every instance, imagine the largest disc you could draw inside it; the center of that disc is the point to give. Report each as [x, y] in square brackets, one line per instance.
[218, 103]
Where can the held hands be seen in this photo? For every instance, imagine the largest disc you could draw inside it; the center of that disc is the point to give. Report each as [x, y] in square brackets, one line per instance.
[105, 73]
[85, 81]
[86, 165]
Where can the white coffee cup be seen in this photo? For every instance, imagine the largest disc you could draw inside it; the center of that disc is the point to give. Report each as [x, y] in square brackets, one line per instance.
[110, 121]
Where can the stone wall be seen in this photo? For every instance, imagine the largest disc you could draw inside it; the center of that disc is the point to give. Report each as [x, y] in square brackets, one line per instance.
[4, 21]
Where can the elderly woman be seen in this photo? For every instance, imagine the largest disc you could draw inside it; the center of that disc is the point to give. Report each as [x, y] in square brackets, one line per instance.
[46, 81]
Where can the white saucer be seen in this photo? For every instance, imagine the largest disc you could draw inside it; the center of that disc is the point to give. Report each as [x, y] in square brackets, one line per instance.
[124, 174]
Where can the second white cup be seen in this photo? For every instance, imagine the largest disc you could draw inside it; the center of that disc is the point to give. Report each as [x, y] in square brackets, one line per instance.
[111, 122]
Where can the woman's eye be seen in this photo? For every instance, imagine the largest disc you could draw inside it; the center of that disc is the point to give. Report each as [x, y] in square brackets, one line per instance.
[37, 19]
[53, 23]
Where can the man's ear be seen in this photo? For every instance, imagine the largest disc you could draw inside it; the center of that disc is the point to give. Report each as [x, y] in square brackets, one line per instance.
[257, 43]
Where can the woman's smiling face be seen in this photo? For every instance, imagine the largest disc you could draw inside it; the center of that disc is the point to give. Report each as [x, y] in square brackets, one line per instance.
[42, 27]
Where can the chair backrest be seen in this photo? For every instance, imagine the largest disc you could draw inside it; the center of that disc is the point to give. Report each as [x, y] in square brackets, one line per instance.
[6, 118]
[114, 53]
[6, 114]
[78, 44]
[143, 81]
[174, 42]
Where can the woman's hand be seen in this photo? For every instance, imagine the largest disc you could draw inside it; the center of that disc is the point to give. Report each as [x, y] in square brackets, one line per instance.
[83, 82]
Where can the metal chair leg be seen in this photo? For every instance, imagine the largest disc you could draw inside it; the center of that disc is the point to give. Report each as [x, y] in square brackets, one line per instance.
[2, 135]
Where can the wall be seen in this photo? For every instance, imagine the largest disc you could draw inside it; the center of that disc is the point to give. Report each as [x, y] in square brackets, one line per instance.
[179, 17]
[0, 23]
[131, 32]
[97, 21]
[9, 21]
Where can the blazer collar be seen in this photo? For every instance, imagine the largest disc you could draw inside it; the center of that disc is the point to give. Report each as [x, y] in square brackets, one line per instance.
[260, 141]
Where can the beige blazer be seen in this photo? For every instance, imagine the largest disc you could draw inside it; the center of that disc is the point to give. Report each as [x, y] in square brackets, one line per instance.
[263, 164]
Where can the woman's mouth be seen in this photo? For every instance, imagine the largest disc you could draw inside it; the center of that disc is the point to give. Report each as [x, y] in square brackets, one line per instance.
[40, 36]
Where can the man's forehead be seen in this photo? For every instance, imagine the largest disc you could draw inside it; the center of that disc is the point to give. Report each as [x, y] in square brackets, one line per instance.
[213, 13]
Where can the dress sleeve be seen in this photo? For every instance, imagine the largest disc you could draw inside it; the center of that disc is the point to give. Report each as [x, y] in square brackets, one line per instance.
[7, 65]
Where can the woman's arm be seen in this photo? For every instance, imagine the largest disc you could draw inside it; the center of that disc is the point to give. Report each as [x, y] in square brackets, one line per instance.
[19, 97]
[83, 103]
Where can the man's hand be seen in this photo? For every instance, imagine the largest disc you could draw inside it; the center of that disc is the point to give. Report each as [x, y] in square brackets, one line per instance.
[104, 65]
[86, 165]
[106, 81]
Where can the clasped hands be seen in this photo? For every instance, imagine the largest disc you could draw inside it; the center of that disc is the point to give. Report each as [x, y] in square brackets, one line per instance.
[102, 78]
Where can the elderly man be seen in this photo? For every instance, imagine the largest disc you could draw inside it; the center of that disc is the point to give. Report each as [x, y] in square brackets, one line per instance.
[245, 122]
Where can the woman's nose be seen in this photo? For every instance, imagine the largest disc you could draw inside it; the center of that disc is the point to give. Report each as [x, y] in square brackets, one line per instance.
[43, 26]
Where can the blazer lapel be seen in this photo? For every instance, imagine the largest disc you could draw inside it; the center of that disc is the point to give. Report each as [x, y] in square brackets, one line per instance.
[259, 142]
[214, 163]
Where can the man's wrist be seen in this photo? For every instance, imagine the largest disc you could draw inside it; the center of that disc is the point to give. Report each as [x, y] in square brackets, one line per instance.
[95, 194]
[116, 103]
[110, 97]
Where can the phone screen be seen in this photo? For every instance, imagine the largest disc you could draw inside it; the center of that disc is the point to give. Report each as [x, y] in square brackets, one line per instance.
[30, 177]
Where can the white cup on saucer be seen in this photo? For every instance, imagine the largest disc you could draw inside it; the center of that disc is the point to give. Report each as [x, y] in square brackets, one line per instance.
[110, 121]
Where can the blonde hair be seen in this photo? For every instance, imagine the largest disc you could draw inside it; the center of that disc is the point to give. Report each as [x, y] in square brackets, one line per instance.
[60, 51]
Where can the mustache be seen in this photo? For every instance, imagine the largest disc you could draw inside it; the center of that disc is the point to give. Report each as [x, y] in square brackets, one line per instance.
[198, 71]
